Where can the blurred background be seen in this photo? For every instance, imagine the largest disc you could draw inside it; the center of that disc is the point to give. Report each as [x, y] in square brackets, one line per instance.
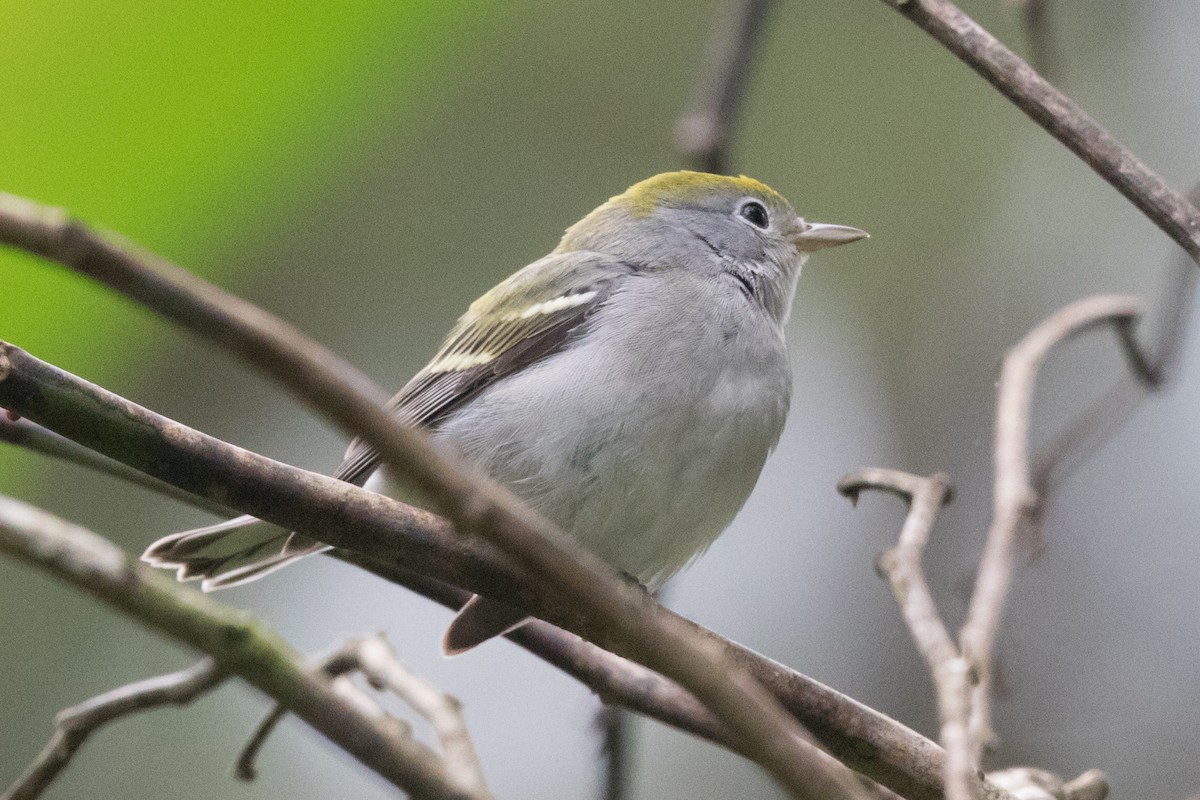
[365, 169]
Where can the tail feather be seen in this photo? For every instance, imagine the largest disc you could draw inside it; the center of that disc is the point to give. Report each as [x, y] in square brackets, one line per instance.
[479, 620]
[230, 553]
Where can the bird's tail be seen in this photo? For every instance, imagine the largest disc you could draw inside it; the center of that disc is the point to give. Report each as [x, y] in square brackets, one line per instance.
[230, 553]
[479, 620]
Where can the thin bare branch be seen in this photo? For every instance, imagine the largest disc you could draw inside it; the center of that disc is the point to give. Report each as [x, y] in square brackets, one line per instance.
[1014, 498]
[73, 726]
[950, 671]
[236, 643]
[393, 540]
[1060, 116]
[472, 503]
[614, 724]
[704, 131]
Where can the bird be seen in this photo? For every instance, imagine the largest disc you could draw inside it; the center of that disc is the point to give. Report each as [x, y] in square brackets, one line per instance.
[629, 386]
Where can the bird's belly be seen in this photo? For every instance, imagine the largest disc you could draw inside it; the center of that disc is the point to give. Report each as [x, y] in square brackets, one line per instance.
[644, 471]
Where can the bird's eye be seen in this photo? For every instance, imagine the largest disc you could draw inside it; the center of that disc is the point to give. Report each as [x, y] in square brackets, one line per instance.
[753, 212]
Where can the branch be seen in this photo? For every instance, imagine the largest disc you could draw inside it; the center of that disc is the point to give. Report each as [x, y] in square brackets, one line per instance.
[1059, 116]
[236, 644]
[393, 540]
[951, 672]
[73, 726]
[471, 503]
[702, 133]
[1013, 498]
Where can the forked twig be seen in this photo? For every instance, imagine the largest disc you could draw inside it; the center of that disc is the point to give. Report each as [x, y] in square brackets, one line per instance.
[73, 726]
[962, 673]
[377, 662]
[902, 564]
[232, 639]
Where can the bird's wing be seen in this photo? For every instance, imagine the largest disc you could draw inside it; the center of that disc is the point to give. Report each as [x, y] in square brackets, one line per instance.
[525, 318]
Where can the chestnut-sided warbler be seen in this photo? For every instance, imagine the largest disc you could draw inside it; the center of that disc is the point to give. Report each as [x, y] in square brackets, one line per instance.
[628, 386]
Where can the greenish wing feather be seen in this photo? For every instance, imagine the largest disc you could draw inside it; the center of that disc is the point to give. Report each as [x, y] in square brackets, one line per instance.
[525, 318]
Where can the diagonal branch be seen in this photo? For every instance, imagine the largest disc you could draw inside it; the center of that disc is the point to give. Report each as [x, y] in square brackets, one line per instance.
[1059, 116]
[73, 726]
[237, 644]
[393, 540]
[472, 504]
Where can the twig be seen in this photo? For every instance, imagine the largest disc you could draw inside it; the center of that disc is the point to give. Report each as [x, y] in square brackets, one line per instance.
[236, 643]
[1014, 498]
[1104, 417]
[375, 659]
[73, 726]
[392, 539]
[372, 657]
[951, 672]
[614, 724]
[1035, 18]
[473, 504]
[702, 133]
[1059, 116]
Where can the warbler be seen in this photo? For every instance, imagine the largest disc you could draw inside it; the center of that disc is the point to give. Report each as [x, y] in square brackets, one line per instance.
[629, 386]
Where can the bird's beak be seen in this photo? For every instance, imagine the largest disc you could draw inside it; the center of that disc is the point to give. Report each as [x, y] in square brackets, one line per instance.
[809, 236]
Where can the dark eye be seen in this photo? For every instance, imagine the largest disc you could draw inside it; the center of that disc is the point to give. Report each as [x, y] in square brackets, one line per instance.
[754, 213]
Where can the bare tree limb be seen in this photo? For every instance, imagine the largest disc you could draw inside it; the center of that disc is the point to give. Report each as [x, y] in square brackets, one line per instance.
[1013, 498]
[703, 132]
[73, 726]
[1059, 116]
[392, 539]
[236, 644]
[473, 504]
[951, 672]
